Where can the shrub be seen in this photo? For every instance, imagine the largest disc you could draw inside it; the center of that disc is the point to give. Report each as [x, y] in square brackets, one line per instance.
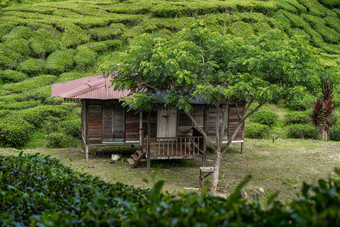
[19, 46]
[286, 6]
[257, 131]
[60, 140]
[306, 131]
[283, 20]
[37, 115]
[31, 66]
[73, 35]
[297, 117]
[300, 101]
[60, 61]
[44, 41]
[72, 128]
[41, 93]
[112, 44]
[70, 76]
[242, 29]
[8, 59]
[59, 196]
[329, 34]
[19, 105]
[334, 133]
[104, 33]
[333, 22]
[95, 46]
[84, 58]
[30, 84]
[18, 33]
[3, 113]
[299, 31]
[265, 117]
[12, 98]
[14, 132]
[261, 27]
[11, 76]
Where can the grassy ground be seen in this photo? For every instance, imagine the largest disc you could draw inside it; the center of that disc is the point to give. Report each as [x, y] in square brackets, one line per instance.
[276, 167]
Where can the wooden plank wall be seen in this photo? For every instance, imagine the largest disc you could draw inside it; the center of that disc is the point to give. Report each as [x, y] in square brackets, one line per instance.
[94, 123]
[232, 122]
[153, 123]
[131, 126]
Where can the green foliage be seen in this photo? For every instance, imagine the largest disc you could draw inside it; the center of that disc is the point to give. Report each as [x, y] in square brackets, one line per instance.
[317, 9]
[297, 117]
[261, 27]
[20, 32]
[71, 76]
[299, 31]
[14, 132]
[295, 20]
[241, 29]
[331, 2]
[286, 6]
[40, 94]
[329, 34]
[334, 133]
[72, 128]
[43, 42]
[31, 66]
[18, 105]
[84, 58]
[257, 131]
[8, 58]
[72, 197]
[3, 113]
[333, 22]
[60, 61]
[299, 100]
[104, 33]
[37, 115]
[73, 35]
[19, 46]
[304, 131]
[283, 20]
[60, 140]
[11, 76]
[265, 117]
[30, 84]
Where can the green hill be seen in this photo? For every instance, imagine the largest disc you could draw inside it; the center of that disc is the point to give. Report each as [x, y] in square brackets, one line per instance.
[44, 42]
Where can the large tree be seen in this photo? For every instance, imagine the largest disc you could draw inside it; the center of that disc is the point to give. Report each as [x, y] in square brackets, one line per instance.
[219, 70]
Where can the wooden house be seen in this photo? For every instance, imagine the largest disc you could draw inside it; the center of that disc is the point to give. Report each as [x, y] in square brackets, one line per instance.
[162, 134]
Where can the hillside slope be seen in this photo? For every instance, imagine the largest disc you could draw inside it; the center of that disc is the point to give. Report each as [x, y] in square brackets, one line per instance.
[54, 41]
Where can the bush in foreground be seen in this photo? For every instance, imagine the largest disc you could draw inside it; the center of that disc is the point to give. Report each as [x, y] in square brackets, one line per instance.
[39, 191]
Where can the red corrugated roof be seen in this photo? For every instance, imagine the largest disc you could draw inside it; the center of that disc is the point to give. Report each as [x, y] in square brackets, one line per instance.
[92, 87]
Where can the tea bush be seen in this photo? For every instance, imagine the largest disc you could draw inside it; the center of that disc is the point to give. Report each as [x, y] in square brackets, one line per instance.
[18, 33]
[72, 128]
[60, 61]
[20, 46]
[11, 76]
[30, 84]
[60, 140]
[40, 191]
[40, 94]
[73, 35]
[31, 66]
[104, 33]
[265, 117]
[257, 131]
[19, 105]
[297, 117]
[84, 58]
[334, 133]
[333, 22]
[304, 131]
[71, 76]
[14, 132]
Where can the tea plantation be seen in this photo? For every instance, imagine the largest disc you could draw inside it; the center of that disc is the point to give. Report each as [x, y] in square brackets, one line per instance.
[43, 42]
[39, 191]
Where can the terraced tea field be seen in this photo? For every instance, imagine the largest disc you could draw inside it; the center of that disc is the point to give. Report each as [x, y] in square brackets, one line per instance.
[46, 42]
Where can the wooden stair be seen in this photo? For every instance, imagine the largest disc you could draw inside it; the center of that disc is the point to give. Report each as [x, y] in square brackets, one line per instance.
[136, 158]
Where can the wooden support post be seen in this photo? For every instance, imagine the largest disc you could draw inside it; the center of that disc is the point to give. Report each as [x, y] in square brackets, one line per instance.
[148, 140]
[204, 158]
[242, 147]
[87, 152]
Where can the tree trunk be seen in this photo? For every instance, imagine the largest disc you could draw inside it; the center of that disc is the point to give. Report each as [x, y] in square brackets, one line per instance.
[323, 133]
[216, 171]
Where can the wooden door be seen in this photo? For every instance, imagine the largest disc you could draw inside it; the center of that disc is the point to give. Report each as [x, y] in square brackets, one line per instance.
[166, 123]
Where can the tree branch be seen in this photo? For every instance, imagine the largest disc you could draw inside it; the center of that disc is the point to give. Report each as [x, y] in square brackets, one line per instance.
[245, 116]
[197, 126]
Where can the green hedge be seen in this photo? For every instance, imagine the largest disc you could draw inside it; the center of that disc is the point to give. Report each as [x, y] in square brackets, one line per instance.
[257, 131]
[72, 127]
[31, 66]
[304, 131]
[334, 133]
[37, 115]
[30, 84]
[20, 46]
[18, 33]
[61, 140]
[241, 29]
[60, 61]
[19, 105]
[84, 58]
[14, 132]
[297, 117]
[265, 117]
[11, 76]
[73, 35]
[104, 33]
[40, 191]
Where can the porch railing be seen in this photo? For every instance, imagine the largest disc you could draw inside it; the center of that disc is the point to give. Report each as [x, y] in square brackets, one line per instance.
[174, 146]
